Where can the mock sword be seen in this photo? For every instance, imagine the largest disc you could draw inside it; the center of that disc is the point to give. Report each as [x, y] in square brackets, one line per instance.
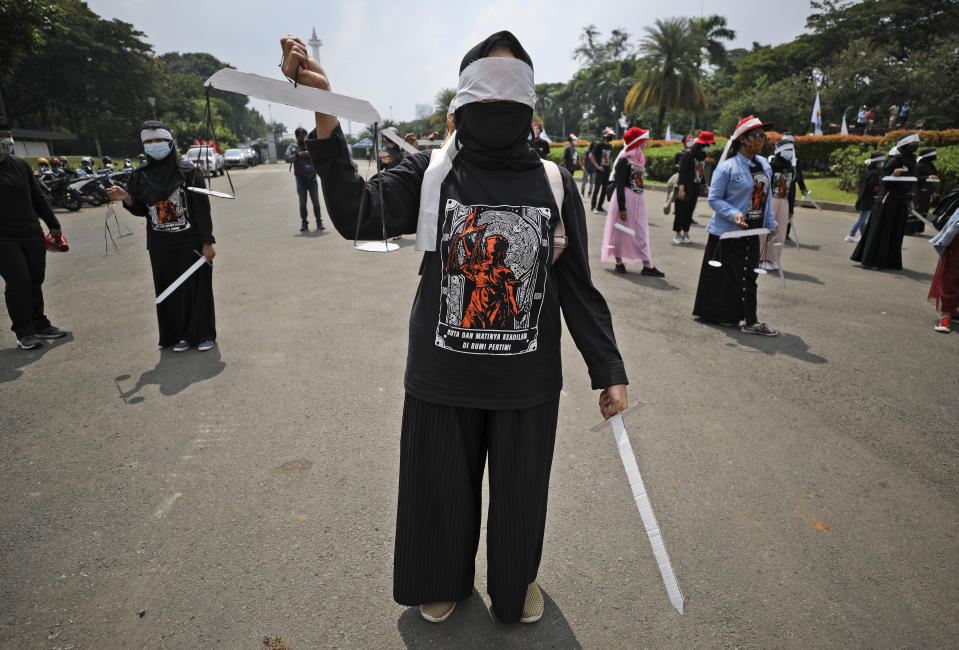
[646, 511]
[183, 278]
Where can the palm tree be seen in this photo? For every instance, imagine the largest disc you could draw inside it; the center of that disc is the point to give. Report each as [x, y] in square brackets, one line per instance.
[709, 31]
[669, 72]
[443, 98]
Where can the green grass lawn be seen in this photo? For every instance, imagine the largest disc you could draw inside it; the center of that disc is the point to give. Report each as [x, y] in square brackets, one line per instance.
[827, 189]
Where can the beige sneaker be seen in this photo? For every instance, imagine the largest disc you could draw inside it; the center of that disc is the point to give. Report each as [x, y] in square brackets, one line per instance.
[533, 607]
[439, 611]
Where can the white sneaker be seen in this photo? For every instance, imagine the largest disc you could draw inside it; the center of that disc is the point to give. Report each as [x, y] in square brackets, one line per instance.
[768, 266]
[851, 239]
[687, 240]
[678, 239]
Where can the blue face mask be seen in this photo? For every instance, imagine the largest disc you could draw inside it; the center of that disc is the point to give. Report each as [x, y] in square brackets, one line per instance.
[157, 150]
[788, 155]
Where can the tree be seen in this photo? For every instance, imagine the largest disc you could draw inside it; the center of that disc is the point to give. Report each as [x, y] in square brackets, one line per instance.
[441, 103]
[669, 77]
[592, 51]
[28, 24]
[709, 32]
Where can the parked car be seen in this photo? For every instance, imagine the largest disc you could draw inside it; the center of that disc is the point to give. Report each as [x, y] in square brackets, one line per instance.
[236, 158]
[252, 155]
[206, 158]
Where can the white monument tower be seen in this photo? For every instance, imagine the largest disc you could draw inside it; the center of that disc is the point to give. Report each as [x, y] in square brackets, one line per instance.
[315, 44]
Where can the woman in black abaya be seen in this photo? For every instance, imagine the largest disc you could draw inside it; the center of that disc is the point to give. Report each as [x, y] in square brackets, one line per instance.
[178, 227]
[881, 243]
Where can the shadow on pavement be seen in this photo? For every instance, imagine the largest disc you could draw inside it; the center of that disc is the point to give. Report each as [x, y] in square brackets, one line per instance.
[797, 277]
[659, 284]
[12, 359]
[918, 276]
[472, 626]
[789, 345]
[174, 372]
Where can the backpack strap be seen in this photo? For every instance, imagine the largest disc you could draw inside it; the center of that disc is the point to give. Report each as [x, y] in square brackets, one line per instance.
[559, 195]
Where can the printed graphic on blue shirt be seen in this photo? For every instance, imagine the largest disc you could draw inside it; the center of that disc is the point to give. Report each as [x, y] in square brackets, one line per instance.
[494, 276]
[755, 216]
[170, 214]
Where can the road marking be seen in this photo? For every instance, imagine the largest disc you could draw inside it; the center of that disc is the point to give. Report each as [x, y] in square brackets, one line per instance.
[165, 508]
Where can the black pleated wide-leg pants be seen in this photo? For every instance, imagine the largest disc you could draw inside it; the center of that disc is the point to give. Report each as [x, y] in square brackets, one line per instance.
[442, 456]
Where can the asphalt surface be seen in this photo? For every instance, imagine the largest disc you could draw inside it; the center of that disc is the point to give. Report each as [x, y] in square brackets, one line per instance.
[806, 485]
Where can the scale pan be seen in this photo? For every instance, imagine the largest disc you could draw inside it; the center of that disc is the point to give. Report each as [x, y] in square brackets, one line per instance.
[376, 246]
[203, 190]
[715, 263]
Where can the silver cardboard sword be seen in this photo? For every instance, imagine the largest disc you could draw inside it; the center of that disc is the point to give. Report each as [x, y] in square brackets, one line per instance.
[183, 278]
[283, 92]
[646, 510]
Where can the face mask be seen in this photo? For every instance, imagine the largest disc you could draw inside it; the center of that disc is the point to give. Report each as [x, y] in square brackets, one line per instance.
[157, 150]
[786, 155]
[910, 148]
[495, 125]
[699, 152]
[6, 146]
[573, 142]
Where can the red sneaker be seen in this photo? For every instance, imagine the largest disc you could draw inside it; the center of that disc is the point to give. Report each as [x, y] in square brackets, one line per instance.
[943, 325]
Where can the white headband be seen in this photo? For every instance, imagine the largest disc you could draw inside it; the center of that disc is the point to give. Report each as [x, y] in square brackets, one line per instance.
[495, 77]
[155, 134]
[931, 154]
[878, 158]
[907, 139]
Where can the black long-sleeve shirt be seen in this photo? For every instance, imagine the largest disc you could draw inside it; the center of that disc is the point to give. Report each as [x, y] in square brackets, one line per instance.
[868, 188]
[485, 324]
[22, 202]
[181, 219]
[785, 179]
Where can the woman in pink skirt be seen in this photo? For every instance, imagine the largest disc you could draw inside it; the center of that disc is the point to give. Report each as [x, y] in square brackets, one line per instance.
[626, 236]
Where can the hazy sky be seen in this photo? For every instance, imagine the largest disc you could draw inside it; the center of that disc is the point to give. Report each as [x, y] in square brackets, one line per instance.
[400, 53]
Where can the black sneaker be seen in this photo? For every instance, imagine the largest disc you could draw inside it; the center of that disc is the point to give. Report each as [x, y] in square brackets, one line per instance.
[320, 226]
[621, 268]
[50, 333]
[29, 342]
[304, 227]
[653, 272]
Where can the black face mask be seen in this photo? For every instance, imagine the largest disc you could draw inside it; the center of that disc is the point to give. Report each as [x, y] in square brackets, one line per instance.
[494, 125]
[910, 148]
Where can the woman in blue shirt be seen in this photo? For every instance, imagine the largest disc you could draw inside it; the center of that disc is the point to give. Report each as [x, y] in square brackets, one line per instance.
[739, 194]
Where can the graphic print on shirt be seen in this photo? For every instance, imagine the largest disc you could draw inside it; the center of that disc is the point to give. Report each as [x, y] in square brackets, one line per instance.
[636, 179]
[781, 181]
[756, 214]
[170, 214]
[494, 276]
[606, 156]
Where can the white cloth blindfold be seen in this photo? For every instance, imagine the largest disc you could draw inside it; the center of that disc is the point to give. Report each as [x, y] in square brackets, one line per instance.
[155, 134]
[498, 77]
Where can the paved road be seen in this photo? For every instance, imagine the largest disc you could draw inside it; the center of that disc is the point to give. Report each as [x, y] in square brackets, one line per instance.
[806, 485]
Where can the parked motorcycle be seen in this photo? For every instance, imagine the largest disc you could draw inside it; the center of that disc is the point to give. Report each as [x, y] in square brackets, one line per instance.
[59, 194]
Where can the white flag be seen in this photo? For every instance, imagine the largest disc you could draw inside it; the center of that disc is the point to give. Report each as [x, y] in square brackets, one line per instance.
[669, 133]
[816, 118]
[845, 129]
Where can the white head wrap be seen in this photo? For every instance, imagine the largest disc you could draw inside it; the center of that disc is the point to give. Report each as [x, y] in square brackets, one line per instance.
[904, 140]
[497, 77]
[155, 134]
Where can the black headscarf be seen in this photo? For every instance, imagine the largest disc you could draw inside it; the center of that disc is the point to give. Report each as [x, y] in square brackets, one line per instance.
[495, 135]
[157, 180]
